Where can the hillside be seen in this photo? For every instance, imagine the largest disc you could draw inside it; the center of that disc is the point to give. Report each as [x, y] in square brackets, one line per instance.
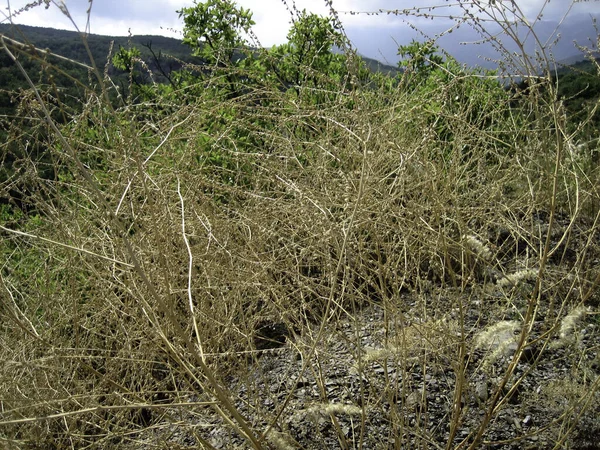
[69, 45]
[292, 252]
[161, 55]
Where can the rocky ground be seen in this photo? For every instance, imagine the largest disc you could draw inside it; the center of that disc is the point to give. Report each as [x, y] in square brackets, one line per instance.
[381, 382]
[424, 371]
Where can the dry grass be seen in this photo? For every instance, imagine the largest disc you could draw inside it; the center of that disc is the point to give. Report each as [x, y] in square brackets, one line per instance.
[143, 285]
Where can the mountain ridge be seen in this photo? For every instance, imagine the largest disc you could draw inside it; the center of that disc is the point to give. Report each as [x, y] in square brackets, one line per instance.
[63, 41]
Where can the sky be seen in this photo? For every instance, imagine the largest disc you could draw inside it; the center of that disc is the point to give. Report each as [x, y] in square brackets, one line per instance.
[145, 17]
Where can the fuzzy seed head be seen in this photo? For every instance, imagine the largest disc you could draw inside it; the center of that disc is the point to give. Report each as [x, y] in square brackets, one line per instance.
[569, 322]
[515, 278]
[477, 247]
[334, 408]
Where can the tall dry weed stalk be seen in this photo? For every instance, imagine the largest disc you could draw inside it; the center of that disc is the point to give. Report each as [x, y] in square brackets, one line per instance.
[145, 275]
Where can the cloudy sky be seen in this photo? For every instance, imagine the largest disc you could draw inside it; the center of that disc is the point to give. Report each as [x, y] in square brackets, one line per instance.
[143, 17]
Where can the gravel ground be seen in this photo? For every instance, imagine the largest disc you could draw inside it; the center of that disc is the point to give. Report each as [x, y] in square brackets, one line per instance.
[385, 376]
[359, 389]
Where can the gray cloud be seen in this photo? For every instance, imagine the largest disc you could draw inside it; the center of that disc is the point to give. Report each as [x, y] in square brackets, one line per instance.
[374, 35]
[469, 46]
[552, 10]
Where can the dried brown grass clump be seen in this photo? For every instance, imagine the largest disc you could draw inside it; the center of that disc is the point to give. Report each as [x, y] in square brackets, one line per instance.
[138, 287]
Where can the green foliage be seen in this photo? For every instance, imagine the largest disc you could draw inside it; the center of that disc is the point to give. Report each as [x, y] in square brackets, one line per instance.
[454, 98]
[308, 55]
[125, 59]
[579, 88]
[420, 58]
[309, 66]
[283, 188]
[213, 29]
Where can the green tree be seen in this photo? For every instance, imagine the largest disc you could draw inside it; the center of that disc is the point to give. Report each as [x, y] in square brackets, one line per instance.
[125, 59]
[308, 51]
[453, 98]
[214, 30]
[420, 58]
[308, 59]
[141, 86]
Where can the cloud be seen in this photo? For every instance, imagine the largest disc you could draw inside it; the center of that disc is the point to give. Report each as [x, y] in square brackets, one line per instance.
[109, 17]
[437, 13]
[116, 17]
[273, 19]
[375, 33]
[465, 44]
[271, 16]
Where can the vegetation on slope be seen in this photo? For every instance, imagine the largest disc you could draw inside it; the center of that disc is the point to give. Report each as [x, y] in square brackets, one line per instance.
[156, 242]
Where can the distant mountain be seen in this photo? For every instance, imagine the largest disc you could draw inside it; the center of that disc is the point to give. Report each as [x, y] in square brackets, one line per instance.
[467, 46]
[572, 60]
[70, 44]
[377, 66]
[162, 55]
